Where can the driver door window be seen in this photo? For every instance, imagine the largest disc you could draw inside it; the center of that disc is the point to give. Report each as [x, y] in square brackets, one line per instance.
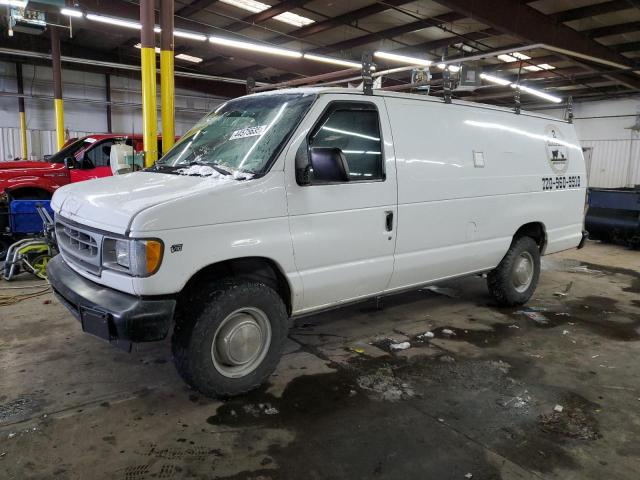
[355, 131]
[99, 155]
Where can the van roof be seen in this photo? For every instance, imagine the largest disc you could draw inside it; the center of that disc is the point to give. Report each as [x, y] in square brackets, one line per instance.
[409, 96]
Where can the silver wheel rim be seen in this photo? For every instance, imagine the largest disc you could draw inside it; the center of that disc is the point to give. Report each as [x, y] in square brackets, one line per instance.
[522, 273]
[241, 342]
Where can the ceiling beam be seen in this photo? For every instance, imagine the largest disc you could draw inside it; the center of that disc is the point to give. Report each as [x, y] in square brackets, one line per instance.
[619, 29]
[626, 47]
[389, 33]
[590, 11]
[194, 7]
[448, 41]
[267, 14]
[524, 22]
[340, 20]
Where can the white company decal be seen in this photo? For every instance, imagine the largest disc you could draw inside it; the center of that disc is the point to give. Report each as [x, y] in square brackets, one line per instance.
[557, 151]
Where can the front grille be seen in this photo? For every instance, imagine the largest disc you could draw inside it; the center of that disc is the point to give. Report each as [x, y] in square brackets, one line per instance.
[79, 246]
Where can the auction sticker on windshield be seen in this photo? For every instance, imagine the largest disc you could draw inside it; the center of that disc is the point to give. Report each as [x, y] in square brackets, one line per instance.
[248, 132]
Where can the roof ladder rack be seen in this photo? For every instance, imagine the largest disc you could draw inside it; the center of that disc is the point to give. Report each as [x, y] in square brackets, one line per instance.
[367, 77]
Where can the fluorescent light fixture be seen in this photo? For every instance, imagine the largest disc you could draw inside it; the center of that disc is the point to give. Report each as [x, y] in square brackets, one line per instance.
[521, 56]
[257, 7]
[538, 93]
[114, 21]
[294, 19]
[497, 80]
[70, 12]
[14, 3]
[403, 59]
[256, 47]
[451, 68]
[513, 57]
[537, 68]
[157, 29]
[188, 58]
[336, 61]
[189, 35]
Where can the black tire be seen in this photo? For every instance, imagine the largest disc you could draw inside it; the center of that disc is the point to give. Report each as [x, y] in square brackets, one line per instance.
[198, 321]
[500, 280]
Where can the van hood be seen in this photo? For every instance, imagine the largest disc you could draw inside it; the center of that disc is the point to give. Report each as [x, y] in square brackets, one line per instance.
[111, 203]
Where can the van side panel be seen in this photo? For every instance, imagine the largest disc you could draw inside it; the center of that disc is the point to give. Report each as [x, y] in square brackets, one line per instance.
[469, 177]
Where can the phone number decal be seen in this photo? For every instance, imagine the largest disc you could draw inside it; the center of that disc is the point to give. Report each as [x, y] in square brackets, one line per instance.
[560, 182]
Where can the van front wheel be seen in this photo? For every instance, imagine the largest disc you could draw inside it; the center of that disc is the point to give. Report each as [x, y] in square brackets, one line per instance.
[515, 279]
[229, 339]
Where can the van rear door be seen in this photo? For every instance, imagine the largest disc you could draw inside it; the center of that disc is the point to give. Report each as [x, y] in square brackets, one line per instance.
[343, 233]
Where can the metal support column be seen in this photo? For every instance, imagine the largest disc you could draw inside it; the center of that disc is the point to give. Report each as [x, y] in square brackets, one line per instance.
[107, 95]
[167, 84]
[148, 57]
[21, 112]
[57, 85]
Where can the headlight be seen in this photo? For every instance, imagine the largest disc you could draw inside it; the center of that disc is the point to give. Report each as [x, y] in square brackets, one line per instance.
[139, 258]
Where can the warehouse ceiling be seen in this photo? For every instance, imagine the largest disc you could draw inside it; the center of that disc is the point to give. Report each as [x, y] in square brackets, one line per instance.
[439, 29]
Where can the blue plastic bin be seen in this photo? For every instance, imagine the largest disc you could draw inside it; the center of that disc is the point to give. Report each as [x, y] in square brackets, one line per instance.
[23, 215]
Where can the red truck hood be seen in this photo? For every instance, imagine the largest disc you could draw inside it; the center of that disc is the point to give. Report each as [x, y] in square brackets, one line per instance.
[30, 165]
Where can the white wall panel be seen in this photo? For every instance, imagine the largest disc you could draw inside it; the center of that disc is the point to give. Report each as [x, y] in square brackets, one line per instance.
[614, 163]
[40, 142]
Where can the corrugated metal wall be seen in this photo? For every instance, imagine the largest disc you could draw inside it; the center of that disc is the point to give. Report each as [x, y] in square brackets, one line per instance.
[614, 163]
[41, 142]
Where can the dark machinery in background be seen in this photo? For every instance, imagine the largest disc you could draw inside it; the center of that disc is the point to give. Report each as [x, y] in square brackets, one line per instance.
[614, 215]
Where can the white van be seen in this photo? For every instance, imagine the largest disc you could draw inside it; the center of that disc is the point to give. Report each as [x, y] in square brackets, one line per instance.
[285, 203]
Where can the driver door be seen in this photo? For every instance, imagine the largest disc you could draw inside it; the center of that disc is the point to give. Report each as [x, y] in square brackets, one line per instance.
[343, 233]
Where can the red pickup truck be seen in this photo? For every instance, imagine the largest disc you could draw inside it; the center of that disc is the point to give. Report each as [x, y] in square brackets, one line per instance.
[82, 159]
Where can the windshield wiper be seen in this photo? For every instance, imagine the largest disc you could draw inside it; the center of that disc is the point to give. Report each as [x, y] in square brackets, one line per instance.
[215, 166]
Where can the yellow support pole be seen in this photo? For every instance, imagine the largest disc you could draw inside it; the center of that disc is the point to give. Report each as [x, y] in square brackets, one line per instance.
[23, 135]
[167, 93]
[148, 58]
[59, 112]
[167, 83]
[57, 86]
[21, 113]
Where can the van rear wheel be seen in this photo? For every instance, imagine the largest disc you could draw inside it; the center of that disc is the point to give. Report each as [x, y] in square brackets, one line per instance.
[515, 279]
[230, 337]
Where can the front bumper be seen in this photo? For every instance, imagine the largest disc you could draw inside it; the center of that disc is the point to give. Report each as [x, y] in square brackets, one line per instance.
[114, 316]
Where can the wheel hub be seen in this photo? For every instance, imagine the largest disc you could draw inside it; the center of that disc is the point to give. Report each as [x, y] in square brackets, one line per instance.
[522, 274]
[241, 342]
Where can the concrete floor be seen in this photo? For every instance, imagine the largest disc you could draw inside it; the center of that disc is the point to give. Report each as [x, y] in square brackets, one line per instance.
[479, 402]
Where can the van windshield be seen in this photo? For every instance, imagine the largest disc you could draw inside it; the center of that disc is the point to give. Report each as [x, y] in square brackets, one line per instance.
[242, 135]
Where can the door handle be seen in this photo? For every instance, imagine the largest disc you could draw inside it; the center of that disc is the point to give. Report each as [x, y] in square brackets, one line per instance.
[389, 221]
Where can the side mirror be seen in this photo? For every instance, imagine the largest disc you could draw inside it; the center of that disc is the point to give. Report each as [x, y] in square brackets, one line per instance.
[303, 166]
[329, 165]
[70, 163]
